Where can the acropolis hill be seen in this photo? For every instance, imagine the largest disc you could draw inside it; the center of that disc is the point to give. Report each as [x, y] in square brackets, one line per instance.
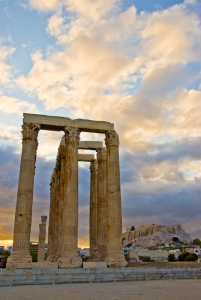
[148, 235]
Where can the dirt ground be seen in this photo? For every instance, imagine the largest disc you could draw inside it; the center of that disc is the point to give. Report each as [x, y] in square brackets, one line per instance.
[130, 290]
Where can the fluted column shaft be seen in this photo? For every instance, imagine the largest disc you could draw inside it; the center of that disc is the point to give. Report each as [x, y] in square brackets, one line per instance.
[93, 209]
[102, 202]
[115, 256]
[61, 200]
[69, 257]
[20, 257]
[51, 232]
[42, 237]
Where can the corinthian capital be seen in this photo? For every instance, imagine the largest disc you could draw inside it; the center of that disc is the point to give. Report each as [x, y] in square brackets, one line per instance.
[111, 138]
[72, 135]
[30, 131]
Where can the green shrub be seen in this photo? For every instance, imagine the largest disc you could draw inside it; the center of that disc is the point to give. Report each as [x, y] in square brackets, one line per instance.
[84, 259]
[187, 256]
[129, 245]
[34, 256]
[3, 260]
[171, 257]
[197, 242]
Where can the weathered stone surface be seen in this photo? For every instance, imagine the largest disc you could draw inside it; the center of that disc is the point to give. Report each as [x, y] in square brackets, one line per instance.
[85, 157]
[42, 236]
[59, 123]
[115, 256]
[93, 209]
[95, 264]
[156, 255]
[69, 256]
[23, 214]
[102, 202]
[90, 145]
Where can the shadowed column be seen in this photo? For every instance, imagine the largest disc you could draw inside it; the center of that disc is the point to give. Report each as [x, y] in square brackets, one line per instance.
[42, 236]
[69, 257]
[102, 202]
[115, 256]
[20, 257]
[93, 209]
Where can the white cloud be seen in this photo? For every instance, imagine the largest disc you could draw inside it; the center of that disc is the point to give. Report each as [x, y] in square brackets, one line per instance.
[5, 74]
[11, 105]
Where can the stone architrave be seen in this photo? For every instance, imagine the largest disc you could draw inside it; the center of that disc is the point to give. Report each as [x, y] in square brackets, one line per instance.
[115, 256]
[42, 237]
[69, 256]
[20, 257]
[102, 202]
[93, 210]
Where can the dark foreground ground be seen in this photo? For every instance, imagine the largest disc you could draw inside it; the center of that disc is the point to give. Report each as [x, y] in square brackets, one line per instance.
[129, 290]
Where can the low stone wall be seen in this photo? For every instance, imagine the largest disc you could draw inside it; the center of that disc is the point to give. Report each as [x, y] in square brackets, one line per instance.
[55, 276]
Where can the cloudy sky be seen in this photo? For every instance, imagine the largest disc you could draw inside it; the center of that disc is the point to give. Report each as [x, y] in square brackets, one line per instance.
[134, 63]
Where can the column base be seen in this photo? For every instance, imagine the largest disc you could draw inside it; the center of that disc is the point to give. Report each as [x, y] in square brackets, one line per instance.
[116, 260]
[17, 261]
[69, 262]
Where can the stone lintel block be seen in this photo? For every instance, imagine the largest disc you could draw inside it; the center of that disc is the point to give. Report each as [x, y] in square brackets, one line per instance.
[56, 123]
[93, 145]
[95, 264]
[85, 157]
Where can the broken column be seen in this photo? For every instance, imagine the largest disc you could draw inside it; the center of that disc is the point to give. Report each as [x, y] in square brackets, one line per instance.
[115, 255]
[20, 257]
[42, 237]
[69, 256]
[102, 203]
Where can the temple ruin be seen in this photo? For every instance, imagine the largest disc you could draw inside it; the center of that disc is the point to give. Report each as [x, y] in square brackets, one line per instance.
[105, 224]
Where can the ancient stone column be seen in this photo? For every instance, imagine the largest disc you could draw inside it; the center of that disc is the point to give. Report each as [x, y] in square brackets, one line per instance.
[102, 202]
[115, 255]
[69, 256]
[42, 237]
[20, 257]
[51, 232]
[56, 210]
[93, 210]
[62, 150]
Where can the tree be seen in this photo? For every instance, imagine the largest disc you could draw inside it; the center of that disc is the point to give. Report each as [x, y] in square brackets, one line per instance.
[171, 257]
[197, 242]
[132, 228]
[175, 239]
[187, 256]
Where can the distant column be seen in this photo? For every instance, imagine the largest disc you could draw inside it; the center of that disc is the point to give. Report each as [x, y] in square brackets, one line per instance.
[93, 209]
[20, 257]
[69, 256]
[42, 237]
[115, 256]
[102, 202]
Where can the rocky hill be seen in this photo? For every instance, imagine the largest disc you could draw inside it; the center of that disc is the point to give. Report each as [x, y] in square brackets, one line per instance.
[150, 235]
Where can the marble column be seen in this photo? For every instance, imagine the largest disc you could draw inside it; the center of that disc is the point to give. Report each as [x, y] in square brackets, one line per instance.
[51, 237]
[42, 237]
[102, 203]
[69, 256]
[115, 255]
[20, 257]
[61, 199]
[93, 209]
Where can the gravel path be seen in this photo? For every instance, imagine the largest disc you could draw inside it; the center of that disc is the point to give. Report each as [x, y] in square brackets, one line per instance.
[133, 290]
